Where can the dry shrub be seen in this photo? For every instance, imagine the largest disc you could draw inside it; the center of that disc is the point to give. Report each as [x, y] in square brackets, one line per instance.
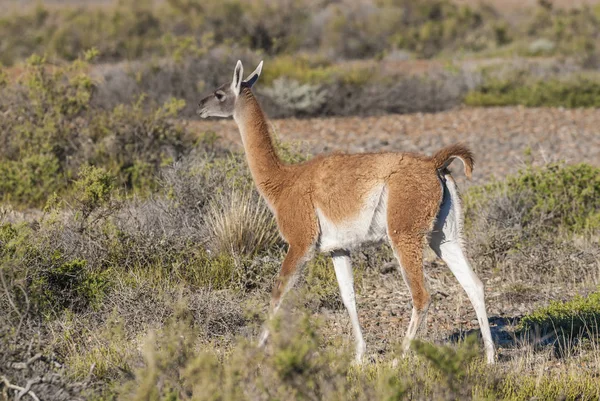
[403, 94]
[306, 87]
[186, 78]
[295, 98]
[26, 362]
[540, 225]
[174, 219]
[49, 128]
[240, 223]
[293, 367]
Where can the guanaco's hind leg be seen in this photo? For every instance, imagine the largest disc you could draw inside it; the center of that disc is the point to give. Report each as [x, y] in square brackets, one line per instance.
[446, 242]
[409, 252]
[410, 217]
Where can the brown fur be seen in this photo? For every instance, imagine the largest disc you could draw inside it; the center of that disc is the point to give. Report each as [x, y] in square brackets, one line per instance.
[337, 185]
[444, 157]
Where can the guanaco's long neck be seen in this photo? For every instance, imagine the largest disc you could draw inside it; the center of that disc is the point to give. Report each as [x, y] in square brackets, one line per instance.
[265, 165]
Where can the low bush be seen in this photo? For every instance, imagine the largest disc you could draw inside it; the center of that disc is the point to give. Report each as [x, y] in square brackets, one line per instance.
[185, 76]
[49, 129]
[349, 96]
[578, 317]
[539, 225]
[571, 31]
[452, 363]
[442, 26]
[296, 99]
[555, 92]
[296, 366]
[89, 240]
[134, 30]
[557, 195]
[98, 274]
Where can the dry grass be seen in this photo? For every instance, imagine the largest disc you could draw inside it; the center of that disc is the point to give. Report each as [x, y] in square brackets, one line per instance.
[240, 223]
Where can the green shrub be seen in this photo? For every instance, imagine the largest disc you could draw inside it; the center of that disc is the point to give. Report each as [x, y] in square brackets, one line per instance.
[538, 225]
[129, 30]
[49, 128]
[302, 69]
[452, 363]
[557, 195]
[141, 30]
[135, 141]
[31, 179]
[578, 92]
[437, 26]
[134, 30]
[296, 366]
[579, 316]
[219, 272]
[67, 285]
[138, 29]
[93, 189]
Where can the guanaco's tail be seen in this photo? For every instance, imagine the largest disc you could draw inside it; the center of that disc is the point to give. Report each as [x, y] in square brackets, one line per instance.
[445, 156]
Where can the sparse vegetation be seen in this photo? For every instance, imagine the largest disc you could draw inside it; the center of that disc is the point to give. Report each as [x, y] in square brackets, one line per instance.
[136, 257]
[542, 222]
[143, 30]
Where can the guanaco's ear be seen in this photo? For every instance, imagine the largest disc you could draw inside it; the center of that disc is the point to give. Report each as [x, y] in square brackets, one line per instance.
[236, 84]
[252, 78]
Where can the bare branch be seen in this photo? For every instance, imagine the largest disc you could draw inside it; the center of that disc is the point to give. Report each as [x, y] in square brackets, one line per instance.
[27, 389]
[8, 297]
[25, 365]
[22, 390]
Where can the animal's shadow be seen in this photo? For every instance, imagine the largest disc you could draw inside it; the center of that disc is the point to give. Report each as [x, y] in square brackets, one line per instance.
[506, 338]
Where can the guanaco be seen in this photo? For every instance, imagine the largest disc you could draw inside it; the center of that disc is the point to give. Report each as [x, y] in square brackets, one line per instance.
[334, 203]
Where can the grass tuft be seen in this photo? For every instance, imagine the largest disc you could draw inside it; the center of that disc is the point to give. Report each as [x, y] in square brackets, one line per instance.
[239, 223]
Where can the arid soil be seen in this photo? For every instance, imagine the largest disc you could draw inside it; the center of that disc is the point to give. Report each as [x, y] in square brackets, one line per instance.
[503, 139]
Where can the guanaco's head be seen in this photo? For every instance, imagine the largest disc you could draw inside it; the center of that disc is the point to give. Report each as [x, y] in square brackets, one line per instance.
[221, 103]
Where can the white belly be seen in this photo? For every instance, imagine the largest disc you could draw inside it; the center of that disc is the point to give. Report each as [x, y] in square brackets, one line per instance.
[369, 225]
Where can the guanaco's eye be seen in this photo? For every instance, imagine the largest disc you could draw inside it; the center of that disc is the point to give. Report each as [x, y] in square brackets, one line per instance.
[220, 96]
